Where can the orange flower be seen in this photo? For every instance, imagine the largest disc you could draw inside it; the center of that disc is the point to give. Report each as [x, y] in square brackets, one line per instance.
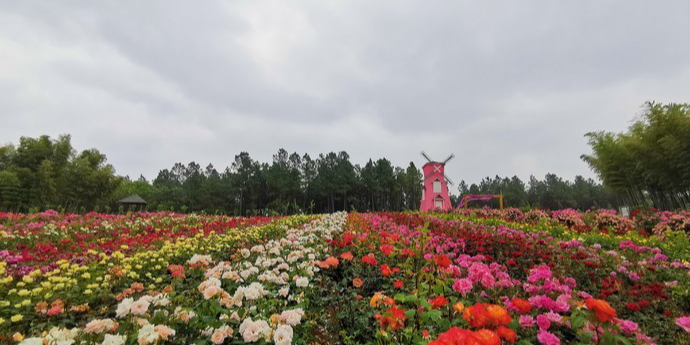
[376, 299]
[459, 307]
[507, 334]
[347, 256]
[328, 263]
[357, 282]
[487, 337]
[333, 262]
[498, 315]
[476, 315]
[481, 315]
[523, 306]
[602, 310]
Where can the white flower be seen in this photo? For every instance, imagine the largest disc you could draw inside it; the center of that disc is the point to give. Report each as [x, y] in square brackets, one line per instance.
[253, 330]
[147, 335]
[292, 317]
[140, 307]
[111, 339]
[161, 300]
[283, 335]
[284, 291]
[302, 282]
[243, 326]
[32, 341]
[234, 316]
[124, 307]
[245, 253]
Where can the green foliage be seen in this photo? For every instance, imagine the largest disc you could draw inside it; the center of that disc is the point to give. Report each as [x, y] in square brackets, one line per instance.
[45, 173]
[551, 193]
[650, 163]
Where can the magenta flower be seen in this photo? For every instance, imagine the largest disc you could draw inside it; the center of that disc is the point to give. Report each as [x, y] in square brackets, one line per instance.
[547, 338]
[526, 321]
[684, 323]
[543, 322]
[462, 286]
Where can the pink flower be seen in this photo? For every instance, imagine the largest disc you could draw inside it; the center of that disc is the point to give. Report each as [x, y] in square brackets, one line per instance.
[526, 321]
[488, 280]
[543, 322]
[547, 338]
[628, 326]
[553, 317]
[462, 286]
[684, 323]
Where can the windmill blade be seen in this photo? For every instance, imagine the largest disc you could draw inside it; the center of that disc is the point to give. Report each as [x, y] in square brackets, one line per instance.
[448, 180]
[427, 157]
[452, 155]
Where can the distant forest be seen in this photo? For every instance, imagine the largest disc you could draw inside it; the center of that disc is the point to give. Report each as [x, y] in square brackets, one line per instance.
[649, 165]
[41, 173]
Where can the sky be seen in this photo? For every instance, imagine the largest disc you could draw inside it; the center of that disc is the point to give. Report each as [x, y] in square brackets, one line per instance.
[509, 87]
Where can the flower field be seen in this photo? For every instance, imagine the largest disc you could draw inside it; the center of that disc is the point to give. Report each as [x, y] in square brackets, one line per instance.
[472, 277]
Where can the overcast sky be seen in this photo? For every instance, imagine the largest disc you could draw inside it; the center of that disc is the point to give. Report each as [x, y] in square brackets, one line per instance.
[510, 87]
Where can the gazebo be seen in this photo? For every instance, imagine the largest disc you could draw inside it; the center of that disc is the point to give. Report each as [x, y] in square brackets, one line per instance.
[132, 200]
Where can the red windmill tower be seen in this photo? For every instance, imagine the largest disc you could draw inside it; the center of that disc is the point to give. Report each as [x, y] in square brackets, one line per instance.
[435, 190]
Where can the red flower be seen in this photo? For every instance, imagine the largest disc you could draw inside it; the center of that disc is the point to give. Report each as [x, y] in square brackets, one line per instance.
[176, 271]
[632, 306]
[523, 306]
[369, 259]
[387, 249]
[438, 302]
[386, 270]
[393, 318]
[442, 261]
[398, 284]
[507, 334]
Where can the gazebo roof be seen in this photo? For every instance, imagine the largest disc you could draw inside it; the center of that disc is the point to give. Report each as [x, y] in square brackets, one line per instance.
[132, 199]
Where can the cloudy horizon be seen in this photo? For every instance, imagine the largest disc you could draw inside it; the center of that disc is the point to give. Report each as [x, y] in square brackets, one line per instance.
[510, 88]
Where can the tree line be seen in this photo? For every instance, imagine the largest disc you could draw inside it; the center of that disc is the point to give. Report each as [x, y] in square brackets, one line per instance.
[649, 165]
[41, 173]
[551, 193]
[291, 183]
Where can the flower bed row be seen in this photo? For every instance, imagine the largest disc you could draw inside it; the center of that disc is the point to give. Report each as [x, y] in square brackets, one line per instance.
[38, 241]
[674, 243]
[73, 294]
[401, 282]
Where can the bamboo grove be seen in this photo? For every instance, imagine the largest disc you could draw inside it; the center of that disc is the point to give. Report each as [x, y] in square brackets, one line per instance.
[649, 165]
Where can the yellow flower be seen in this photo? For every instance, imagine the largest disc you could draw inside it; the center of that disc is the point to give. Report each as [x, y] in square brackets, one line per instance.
[17, 318]
[87, 292]
[2, 321]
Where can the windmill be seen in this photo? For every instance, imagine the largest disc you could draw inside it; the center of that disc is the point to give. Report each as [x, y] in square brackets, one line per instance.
[435, 186]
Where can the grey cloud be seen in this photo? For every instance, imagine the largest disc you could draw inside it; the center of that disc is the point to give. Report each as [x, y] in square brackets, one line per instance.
[510, 87]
